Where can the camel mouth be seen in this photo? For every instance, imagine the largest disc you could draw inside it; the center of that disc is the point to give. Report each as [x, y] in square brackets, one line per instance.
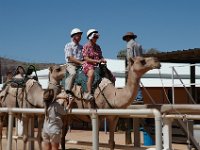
[157, 66]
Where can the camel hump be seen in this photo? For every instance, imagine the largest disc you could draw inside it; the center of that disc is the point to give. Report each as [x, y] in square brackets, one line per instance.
[30, 83]
[104, 82]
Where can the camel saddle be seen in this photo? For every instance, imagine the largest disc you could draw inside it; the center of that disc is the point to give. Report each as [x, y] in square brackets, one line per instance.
[99, 73]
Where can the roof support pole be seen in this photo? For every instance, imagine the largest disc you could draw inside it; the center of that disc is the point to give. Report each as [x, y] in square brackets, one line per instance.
[192, 81]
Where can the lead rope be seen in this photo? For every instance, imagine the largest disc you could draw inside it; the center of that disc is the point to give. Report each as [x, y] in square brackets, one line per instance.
[150, 97]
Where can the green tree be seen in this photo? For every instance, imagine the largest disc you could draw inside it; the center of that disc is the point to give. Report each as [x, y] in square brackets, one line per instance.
[152, 51]
[121, 54]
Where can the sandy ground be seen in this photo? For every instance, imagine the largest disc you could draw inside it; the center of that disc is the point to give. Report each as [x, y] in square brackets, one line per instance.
[82, 140]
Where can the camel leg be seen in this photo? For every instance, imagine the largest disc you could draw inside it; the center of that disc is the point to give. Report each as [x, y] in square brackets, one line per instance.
[64, 132]
[1, 130]
[25, 131]
[112, 126]
[40, 125]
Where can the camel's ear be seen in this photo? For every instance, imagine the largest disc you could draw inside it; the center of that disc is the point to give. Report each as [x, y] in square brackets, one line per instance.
[131, 60]
[51, 68]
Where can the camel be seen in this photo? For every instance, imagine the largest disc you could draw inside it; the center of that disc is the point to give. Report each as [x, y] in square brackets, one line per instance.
[29, 95]
[110, 97]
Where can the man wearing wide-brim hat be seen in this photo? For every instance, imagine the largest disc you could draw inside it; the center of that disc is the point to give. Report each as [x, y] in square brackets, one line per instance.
[134, 49]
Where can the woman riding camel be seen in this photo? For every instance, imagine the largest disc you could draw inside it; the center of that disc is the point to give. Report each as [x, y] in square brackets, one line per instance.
[92, 55]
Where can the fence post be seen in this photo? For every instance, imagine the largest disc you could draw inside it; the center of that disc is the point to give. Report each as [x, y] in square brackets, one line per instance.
[10, 130]
[95, 131]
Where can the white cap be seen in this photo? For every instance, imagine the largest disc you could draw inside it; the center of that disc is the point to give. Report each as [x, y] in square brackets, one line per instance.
[75, 31]
[90, 31]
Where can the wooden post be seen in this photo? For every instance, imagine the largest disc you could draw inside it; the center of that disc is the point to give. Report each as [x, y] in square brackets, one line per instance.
[136, 130]
[0, 72]
[192, 80]
[128, 139]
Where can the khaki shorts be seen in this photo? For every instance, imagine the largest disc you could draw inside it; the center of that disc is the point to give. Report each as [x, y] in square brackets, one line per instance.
[51, 137]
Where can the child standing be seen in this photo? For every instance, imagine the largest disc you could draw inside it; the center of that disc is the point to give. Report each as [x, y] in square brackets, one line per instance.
[53, 122]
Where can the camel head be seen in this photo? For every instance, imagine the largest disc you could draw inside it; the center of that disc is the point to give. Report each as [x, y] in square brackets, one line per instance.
[62, 97]
[56, 73]
[140, 65]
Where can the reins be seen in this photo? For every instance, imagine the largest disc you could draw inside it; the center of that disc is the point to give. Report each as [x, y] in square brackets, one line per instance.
[105, 98]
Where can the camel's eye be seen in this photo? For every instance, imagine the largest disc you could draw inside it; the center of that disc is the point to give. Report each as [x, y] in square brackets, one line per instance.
[143, 62]
[58, 69]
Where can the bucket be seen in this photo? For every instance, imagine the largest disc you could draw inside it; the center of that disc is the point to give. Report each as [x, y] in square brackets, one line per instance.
[148, 141]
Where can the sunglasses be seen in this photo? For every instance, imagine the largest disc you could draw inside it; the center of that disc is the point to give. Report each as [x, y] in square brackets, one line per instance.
[96, 37]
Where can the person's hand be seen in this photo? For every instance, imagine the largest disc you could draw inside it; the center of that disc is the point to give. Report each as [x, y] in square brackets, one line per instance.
[98, 62]
[103, 61]
[82, 62]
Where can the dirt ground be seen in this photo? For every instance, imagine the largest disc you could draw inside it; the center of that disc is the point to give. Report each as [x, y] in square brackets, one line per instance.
[82, 140]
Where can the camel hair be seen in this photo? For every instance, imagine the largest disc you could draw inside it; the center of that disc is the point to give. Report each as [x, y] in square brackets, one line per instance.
[111, 97]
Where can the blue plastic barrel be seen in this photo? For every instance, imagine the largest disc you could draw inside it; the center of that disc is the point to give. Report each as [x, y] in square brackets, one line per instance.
[148, 141]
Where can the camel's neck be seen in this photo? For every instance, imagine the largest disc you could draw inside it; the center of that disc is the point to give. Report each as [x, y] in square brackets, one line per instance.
[53, 81]
[132, 85]
[129, 92]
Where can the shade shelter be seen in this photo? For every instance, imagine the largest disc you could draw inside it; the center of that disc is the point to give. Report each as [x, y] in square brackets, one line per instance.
[191, 56]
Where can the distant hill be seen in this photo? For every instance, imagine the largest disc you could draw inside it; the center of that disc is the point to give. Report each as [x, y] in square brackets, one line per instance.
[8, 65]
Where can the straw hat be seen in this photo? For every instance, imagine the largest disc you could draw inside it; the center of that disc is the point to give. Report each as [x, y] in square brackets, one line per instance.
[129, 34]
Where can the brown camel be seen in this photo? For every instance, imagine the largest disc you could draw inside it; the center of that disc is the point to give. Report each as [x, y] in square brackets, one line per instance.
[111, 97]
[30, 95]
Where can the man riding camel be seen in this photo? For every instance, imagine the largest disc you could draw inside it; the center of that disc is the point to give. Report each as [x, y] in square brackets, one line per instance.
[73, 57]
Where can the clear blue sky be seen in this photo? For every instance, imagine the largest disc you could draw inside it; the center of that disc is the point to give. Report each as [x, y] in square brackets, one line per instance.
[37, 30]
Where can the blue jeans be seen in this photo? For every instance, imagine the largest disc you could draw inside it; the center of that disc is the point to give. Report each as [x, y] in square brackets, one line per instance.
[139, 96]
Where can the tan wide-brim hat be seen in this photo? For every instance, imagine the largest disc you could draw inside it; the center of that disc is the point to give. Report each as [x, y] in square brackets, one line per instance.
[129, 34]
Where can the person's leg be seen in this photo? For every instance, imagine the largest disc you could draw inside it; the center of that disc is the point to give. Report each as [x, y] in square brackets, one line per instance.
[87, 95]
[90, 75]
[46, 141]
[54, 146]
[70, 79]
[55, 140]
[46, 145]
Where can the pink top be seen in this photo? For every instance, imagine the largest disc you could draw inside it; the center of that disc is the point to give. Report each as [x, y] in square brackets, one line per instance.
[93, 52]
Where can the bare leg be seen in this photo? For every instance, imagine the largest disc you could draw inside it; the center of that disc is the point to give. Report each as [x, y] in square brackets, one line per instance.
[47, 146]
[90, 75]
[55, 146]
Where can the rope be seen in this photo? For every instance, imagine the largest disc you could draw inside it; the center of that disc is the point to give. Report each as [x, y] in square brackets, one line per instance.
[188, 132]
[148, 93]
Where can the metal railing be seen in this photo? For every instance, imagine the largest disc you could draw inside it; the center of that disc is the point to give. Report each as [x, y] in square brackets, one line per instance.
[94, 113]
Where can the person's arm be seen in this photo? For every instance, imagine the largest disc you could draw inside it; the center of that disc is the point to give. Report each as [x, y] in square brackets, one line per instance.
[68, 52]
[74, 60]
[90, 60]
[60, 109]
[129, 52]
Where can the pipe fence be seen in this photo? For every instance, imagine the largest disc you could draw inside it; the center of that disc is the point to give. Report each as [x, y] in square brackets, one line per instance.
[94, 113]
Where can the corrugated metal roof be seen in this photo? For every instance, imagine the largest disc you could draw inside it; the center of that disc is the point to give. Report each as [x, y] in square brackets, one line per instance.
[178, 56]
